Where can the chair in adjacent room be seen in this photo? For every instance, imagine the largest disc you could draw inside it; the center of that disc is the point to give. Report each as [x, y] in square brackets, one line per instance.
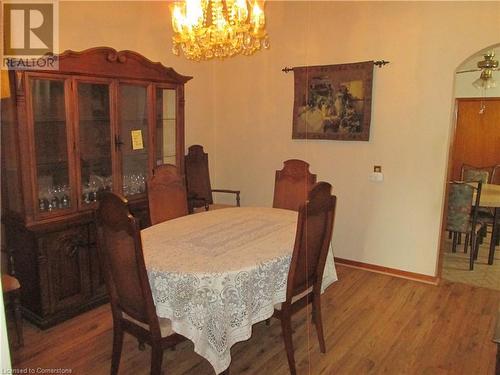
[471, 173]
[495, 179]
[495, 175]
[124, 271]
[485, 175]
[312, 241]
[167, 195]
[487, 217]
[292, 184]
[462, 216]
[200, 192]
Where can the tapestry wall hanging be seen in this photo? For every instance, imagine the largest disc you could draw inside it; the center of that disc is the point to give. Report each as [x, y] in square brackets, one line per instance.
[333, 101]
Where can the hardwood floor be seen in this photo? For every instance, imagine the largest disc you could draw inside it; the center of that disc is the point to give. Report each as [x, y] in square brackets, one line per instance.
[456, 266]
[374, 324]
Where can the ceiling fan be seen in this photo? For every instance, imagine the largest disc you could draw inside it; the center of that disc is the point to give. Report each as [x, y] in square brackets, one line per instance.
[486, 67]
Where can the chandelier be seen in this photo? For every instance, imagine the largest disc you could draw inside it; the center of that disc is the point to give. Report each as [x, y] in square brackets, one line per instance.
[204, 29]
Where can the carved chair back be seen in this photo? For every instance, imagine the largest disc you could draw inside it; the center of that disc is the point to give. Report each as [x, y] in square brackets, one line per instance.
[122, 262]
[198, 176]
[312, 240]
[476, 174]
[292, 184]
[167, 195]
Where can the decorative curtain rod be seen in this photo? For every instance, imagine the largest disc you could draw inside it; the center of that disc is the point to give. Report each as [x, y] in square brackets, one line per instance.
[379, 63]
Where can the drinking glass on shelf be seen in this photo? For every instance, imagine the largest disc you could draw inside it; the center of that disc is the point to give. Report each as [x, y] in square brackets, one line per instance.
[93, 190]
[131, 184]
[53, 200]
[64, 200]
[142, 183]
[43, 201]
[108, 183]
[126, 185]
[86, 193]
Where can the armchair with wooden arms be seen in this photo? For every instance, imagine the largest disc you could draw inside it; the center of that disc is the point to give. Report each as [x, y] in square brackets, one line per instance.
[200, 192]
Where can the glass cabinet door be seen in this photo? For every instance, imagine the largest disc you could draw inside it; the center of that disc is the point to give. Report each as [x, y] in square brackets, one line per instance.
[51, 147]
[94, 141]
[133, 137]
[165, 126]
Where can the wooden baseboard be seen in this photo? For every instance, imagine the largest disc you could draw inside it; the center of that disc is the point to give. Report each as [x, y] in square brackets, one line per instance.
[388, 271]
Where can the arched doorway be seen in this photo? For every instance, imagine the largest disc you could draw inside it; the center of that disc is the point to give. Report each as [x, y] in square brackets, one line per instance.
[475, 142]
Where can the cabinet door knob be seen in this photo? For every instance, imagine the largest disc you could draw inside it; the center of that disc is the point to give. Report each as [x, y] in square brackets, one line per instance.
[75, 247]
[73, 251]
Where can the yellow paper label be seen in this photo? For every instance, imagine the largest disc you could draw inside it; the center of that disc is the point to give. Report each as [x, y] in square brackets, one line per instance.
[137, 143]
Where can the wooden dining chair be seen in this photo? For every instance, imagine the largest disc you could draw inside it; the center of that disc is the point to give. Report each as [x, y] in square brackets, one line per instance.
[167, 197]
[11, 290]
[462, 217]
[495, 179]
[124, 271]
[471, 173]
[292, 184]
[200, 192]
[312, 241]
[491, 175]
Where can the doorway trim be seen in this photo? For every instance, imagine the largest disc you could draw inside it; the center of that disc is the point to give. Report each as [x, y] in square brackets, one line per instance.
[449, 172]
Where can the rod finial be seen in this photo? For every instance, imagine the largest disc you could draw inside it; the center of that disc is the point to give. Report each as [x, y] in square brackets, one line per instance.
[381, 63]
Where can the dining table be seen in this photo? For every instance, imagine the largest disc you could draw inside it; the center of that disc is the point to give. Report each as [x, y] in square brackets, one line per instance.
[490, 198]
[215, 274]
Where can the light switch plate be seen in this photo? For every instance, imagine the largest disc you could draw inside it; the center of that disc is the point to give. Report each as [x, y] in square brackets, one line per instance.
[376, 177]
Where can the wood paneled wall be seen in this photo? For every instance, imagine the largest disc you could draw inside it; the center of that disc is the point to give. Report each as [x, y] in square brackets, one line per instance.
[477, 136]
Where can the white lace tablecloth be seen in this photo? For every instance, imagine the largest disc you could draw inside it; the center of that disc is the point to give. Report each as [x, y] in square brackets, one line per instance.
[216, 273]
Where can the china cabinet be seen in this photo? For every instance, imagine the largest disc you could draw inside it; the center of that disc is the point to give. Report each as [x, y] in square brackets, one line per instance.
[101, 121]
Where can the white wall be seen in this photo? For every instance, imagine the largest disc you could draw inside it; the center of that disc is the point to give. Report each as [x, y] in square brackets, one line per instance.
[395, 223]
[4, 343]
[241, 108]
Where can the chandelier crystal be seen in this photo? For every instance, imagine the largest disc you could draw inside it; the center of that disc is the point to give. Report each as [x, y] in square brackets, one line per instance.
[205, 29]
